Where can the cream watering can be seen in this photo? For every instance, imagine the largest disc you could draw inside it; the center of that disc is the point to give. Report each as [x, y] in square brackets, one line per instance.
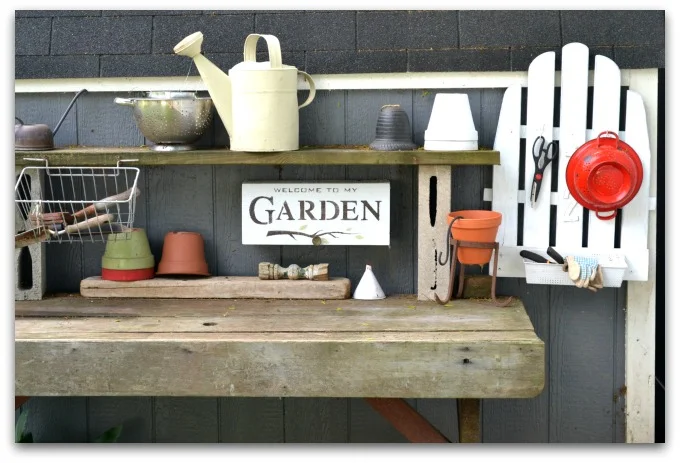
[257, 101]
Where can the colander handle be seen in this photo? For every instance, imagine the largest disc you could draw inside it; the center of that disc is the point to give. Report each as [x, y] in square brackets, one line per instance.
[605, 217]
[608, 134]
[273, 46]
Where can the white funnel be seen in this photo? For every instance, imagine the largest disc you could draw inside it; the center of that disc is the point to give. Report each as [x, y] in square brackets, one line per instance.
[368, 288]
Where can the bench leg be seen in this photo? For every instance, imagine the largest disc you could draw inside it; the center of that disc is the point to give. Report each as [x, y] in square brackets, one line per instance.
[407, 420]
[469, 425]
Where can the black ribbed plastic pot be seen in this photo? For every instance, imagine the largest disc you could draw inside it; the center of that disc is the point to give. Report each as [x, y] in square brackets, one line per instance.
[393, 130]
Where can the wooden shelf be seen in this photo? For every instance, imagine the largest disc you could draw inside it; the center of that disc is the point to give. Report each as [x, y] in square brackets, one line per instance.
[108, 156]
[396, 347]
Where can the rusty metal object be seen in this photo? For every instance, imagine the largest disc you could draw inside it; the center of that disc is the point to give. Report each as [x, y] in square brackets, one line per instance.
[452, 255]
[407, 420]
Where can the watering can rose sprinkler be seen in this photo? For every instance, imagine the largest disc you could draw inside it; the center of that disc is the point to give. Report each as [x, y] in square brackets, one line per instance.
[257, 101]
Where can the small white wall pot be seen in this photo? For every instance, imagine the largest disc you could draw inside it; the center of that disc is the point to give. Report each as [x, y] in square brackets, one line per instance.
[368, 287]
[451, 127]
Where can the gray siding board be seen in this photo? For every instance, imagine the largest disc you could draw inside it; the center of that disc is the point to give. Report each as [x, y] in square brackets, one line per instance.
[186, 420]
[56, 419]
[523, 420]
[247, 420]
[101, 122]
[315, 420]
[323, 121]
[442, 414]
[135, 414]
[581, 379]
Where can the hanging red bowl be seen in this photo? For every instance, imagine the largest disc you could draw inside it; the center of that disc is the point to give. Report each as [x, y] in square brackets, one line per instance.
[604, 174]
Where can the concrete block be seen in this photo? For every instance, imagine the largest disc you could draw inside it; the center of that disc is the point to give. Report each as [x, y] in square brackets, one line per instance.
[29, 262]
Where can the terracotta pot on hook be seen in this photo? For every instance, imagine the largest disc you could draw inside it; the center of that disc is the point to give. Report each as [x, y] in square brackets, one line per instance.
[478, 226]
[183, 254]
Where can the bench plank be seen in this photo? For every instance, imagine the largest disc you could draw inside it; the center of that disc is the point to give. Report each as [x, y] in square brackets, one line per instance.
[278, 349]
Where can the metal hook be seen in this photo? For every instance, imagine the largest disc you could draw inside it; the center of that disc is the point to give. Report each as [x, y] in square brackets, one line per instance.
[448, 242]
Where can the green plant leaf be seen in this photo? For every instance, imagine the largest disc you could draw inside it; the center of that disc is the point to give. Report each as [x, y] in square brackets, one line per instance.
[20, 427]
[110, 435]
[26, 438]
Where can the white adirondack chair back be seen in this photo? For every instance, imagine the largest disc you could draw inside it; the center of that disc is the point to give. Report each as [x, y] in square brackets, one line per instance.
[571, 133]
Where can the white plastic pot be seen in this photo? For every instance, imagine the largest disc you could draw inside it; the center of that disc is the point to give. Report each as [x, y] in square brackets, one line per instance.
[451, 127]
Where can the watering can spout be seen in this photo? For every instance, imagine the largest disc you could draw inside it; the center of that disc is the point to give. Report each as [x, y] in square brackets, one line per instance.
[217, 81]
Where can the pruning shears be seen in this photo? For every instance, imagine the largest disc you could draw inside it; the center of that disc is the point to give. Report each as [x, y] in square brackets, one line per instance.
[543, 153]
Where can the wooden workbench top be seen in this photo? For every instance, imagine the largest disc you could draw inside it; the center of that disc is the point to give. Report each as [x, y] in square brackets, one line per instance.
[396, 347]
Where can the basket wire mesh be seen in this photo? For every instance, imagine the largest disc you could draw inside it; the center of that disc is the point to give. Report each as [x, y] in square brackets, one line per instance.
[74, 204]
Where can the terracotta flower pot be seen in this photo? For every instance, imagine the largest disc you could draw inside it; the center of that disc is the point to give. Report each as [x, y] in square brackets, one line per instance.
[183, 254]
[128, 257]
[475, 225]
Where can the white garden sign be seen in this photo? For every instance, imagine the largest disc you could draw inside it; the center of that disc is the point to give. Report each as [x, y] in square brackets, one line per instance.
[316, 213]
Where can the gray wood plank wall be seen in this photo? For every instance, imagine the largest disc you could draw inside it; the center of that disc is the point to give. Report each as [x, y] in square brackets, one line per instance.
[584, 397]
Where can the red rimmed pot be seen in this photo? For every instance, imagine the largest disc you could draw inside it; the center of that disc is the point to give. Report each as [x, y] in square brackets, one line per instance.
[604, 174]
[128, 257]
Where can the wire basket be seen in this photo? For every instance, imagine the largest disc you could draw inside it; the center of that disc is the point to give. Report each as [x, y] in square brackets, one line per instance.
[74, 204]
[613, 269]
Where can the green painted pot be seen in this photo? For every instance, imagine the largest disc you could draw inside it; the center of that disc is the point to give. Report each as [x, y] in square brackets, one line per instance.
[128, 251]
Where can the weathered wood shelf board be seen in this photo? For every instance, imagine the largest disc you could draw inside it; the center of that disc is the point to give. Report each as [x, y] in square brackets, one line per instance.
[108, 156]
[217, 287]
[396, 347]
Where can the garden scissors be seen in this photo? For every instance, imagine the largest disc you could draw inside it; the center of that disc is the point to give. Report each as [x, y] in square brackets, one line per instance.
[543, 154]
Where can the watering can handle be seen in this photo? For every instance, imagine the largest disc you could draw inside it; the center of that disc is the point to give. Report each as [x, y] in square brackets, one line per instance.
[273, 45]
[312, 89]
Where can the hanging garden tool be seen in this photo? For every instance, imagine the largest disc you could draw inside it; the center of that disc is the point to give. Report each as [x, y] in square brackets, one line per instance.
[543, 154]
